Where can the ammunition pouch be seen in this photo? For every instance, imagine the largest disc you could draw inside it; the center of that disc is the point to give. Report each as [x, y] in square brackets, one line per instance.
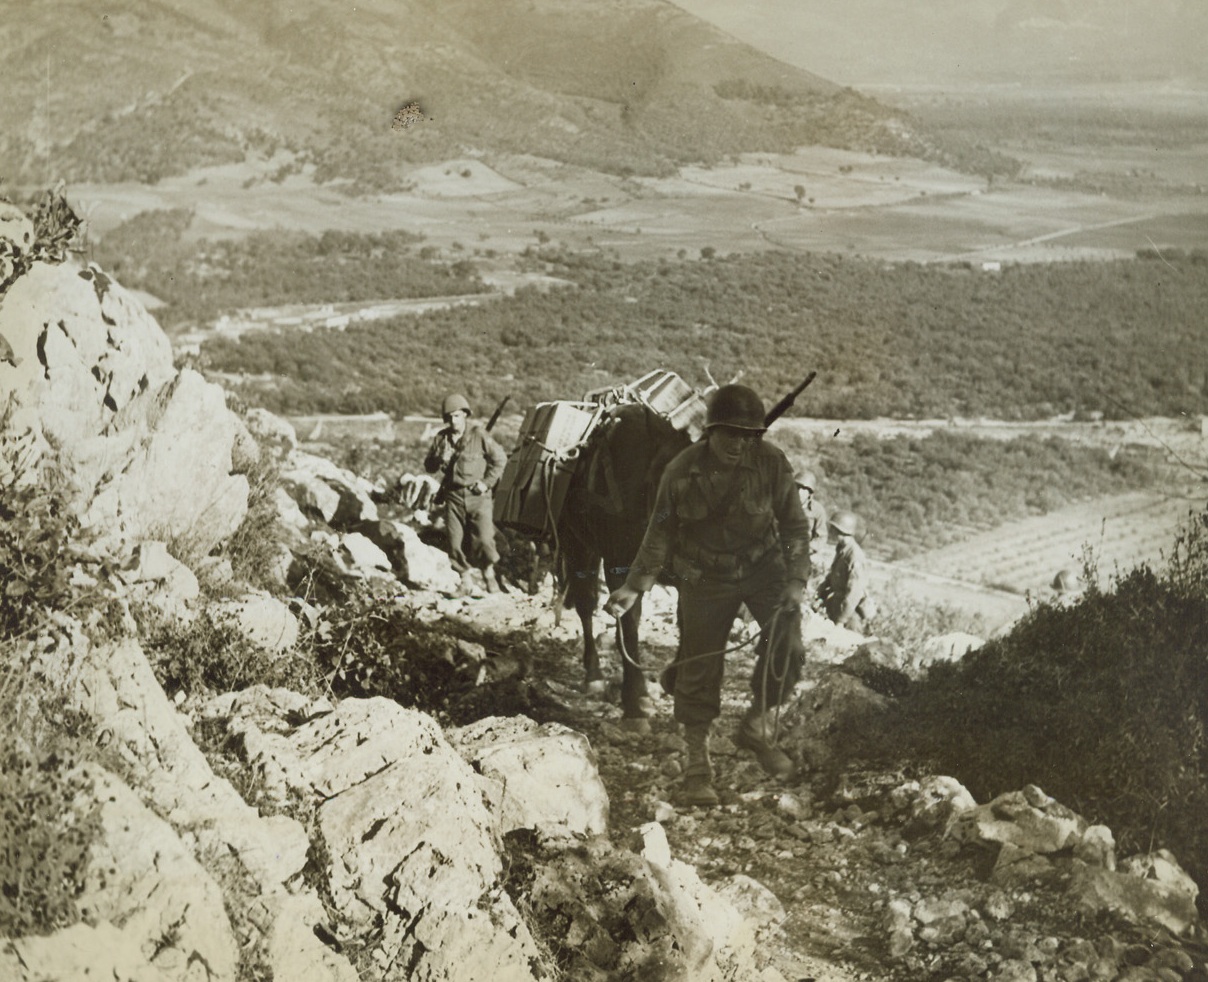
[691, 563]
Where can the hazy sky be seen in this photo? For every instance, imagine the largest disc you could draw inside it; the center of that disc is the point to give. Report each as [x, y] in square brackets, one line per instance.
[953, 41]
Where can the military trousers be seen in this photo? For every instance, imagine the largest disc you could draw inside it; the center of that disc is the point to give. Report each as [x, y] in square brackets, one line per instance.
[706, 614]
[470, 523]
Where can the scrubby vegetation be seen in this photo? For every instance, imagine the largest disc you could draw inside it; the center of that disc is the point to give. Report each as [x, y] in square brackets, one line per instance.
[46, 828]
[202, 281]
[899, 340]
[917, 494]
[1103, 703]
[847, 119]
[210, 653]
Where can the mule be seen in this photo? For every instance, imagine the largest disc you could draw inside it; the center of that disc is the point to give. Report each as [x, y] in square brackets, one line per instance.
[608, 504]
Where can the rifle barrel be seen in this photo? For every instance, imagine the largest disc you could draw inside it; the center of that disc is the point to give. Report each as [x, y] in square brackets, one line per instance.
[783, 405]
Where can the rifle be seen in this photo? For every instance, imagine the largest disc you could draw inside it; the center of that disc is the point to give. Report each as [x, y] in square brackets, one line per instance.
[495, 415]
[783, 405]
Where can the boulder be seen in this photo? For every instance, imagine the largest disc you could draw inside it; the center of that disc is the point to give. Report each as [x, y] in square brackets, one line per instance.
[837, 700]
[115, 686]
[1097, 847]
[754, 901]
[930, 803]
[410, 840]
[360, 557]
[942, 920]
[245, 451]
[16, 241]
[83, 951]
[271, 431]
[315, 480]
[1150, 888]
[898, 926]
[262, 619]
[141, 876]
[423, 566]
[827, 642]
[159, 578]
[292, 950]
[544, 777]
[716, 941]
[317, 499]
[146, 450]
[289, 511]
[1029, 820]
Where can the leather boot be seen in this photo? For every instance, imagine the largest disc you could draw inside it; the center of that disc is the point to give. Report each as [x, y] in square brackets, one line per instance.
[491, 580]
[754, 733]
[696, 786]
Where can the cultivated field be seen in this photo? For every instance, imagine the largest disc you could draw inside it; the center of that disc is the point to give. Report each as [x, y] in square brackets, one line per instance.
[892, 208]
[991, 572]
[1117, 533]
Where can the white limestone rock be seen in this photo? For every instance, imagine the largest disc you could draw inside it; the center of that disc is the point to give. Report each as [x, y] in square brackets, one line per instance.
[544, 777]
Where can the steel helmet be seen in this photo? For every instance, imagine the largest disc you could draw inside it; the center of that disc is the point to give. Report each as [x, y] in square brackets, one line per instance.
[1066, 581]
[737, 406]
[454, 403]
[803, 477]
[845, 522]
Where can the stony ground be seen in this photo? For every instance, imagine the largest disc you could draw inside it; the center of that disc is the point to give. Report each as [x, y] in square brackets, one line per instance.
[856, 891]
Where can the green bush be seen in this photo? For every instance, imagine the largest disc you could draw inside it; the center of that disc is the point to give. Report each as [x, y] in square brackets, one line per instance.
[895, 340]
[211, 654]
[254, 547]
[370, 646]
[47, 817]
[1103, 703]
[48, 820]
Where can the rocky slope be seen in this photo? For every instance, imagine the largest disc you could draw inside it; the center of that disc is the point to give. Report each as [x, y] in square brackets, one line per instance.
[511, 829]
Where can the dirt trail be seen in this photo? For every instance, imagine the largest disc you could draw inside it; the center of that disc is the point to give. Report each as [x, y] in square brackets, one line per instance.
[826, 844]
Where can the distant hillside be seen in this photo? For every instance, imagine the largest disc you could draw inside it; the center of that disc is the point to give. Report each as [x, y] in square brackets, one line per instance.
[141, 89]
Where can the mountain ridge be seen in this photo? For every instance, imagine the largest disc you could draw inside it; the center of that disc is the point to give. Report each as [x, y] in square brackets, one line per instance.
[156, 88]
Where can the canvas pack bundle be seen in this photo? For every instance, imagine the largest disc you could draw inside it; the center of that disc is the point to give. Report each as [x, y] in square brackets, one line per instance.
[533, 488]
[673, 398]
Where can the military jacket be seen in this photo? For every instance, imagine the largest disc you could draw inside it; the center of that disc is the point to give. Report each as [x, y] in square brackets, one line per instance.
[846, 585]
[719, 528]
[815, 519]
[475, 457]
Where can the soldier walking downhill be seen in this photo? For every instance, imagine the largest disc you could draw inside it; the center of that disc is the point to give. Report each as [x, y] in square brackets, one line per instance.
[728, 529]
[471, 463]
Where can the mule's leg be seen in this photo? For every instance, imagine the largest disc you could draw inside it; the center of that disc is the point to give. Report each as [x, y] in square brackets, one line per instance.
[582, 589]
[635, 700]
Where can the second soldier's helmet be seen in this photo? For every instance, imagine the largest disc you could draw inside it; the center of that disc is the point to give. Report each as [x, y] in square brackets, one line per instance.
[736, 406]
[845, 522]
[454, 403]
[803, 477]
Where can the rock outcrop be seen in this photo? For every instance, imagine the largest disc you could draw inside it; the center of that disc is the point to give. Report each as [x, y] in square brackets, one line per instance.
[146, 450]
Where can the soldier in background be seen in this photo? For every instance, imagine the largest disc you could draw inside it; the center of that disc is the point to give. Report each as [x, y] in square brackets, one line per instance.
[471, 463]
[815, 514]
[1067, 588]
[844, 591]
